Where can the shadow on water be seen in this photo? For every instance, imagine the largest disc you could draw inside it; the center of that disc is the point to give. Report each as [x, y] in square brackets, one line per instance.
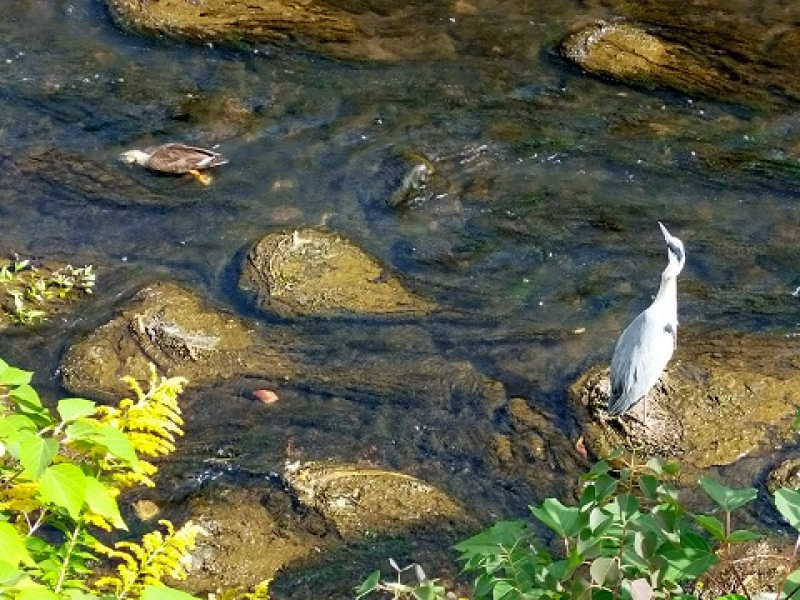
[536, 234]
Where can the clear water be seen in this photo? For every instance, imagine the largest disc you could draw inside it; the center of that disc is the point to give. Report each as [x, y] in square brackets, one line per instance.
[541, 218]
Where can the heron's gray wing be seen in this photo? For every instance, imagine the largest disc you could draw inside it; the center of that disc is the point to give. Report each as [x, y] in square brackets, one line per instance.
[642, 352]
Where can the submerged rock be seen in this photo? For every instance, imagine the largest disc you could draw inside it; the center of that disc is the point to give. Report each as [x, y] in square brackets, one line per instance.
[174, 329]
[723, 397]
[58, 173]
[366, 500]
[685, 57]
[363, 30]
[311, 272]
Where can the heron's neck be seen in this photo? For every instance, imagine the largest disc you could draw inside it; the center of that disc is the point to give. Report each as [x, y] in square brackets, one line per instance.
[668, 291]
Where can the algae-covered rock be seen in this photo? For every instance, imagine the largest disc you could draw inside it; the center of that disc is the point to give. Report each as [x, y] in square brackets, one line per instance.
[312, 272]
[175, 329]
[376, 30]
[724, 396]
[712, 50]
[360, 500]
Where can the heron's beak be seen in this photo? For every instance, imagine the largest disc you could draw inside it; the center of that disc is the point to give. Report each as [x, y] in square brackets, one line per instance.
[667, 236]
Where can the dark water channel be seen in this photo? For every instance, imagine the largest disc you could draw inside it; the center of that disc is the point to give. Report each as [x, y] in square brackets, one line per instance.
[537, 235]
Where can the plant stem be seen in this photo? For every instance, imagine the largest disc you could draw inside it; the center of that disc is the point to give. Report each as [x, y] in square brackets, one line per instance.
[65, 565]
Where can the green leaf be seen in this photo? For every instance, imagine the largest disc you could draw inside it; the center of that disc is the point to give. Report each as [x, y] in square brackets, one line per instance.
[10, 575]
[712, 525]
[36, 454]
[743, 535]
[624, 506]
[649, 486]
[12, 547]
[116, 443]
[12, 376]
[65, 486]
[566, 521]
[726, 498]
[101, 501]
[38, 592]
[152, 592]
[792, 585]
[26, 396]
[788, 504]
[604, 571]
[686, 562]
[370, 584]
[74, 408]
[13, 425]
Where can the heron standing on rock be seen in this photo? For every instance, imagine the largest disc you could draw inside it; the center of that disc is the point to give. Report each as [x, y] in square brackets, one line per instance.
[647, 344]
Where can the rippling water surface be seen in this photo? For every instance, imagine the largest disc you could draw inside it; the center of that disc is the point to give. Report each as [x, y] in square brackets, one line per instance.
[540, 220]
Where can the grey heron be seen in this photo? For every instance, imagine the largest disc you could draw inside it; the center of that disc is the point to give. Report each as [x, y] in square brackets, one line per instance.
[647, 344]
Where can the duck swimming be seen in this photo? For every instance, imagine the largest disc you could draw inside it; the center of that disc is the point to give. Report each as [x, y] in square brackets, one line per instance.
[176, 159]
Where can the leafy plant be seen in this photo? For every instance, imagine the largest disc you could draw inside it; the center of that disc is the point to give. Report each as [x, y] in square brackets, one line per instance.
[27, 291]
[628, 537]
[60, 475]
[418, 588]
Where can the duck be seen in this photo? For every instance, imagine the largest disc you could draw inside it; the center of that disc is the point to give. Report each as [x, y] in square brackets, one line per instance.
[176, 159]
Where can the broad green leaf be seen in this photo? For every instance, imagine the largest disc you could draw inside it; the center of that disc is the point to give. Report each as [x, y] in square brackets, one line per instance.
[501, 534]
[649, 486]
[26, 395]
[566, 521]
[604, 571]
[732, 597]
[116, 443]
[645, 544]
[11, 426]
[712, 525]
[81, 430]
[599, 521]
[101, 501]
[726, 498]
[10, 575]
[686, 562]
[792, 585]
[743, 535]
[152, 592]
[641, 590]
[12, 376]
[65, 486]
[36, 593]
[604, 486]
[625, 506]
[74, 408]
[12, 546]
[369, 585]
[788, 504]
[36, 454]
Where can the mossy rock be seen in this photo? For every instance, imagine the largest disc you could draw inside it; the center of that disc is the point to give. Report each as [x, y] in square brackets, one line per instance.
[310, 272]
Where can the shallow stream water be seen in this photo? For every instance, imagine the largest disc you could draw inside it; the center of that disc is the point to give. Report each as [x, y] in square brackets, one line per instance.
[538, 236]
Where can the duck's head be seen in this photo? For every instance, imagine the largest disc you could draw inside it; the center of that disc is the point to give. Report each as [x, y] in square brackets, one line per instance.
[134, 157]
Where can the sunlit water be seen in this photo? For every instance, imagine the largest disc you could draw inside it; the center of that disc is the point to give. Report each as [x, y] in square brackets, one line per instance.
[541, 220]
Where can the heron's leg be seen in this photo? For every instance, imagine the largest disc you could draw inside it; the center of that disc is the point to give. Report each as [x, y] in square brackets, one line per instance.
[204, 179]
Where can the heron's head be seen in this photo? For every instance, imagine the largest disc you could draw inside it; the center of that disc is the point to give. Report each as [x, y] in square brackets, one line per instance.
[675, 252]
[134, 157]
